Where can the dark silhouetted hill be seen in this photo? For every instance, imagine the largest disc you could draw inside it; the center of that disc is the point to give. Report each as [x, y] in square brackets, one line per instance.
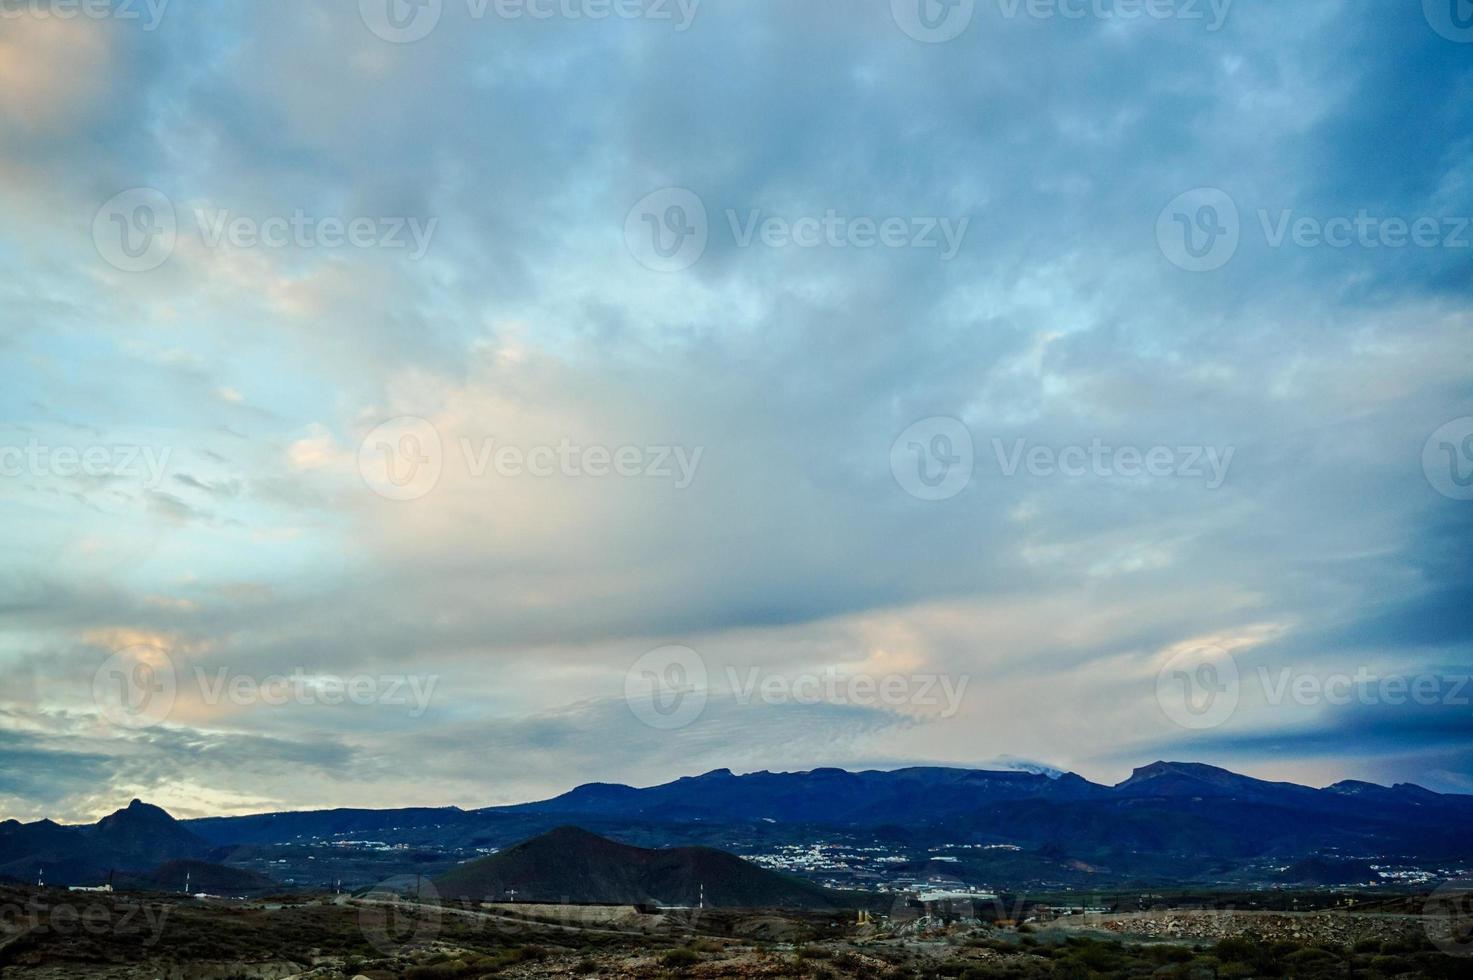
[200, 876]
[1324, 871]
[572, 865]
[137, 838]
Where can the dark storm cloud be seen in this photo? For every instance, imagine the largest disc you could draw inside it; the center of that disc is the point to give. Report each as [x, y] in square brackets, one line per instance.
[33, 770]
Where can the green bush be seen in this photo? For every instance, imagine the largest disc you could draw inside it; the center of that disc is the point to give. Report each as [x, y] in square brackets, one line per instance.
[682, 957]
[1391, 966]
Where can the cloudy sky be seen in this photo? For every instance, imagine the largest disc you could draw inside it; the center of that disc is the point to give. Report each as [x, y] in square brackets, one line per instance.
[453, 402]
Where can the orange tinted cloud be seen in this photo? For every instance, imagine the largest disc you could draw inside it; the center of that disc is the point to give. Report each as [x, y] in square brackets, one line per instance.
[51, 71]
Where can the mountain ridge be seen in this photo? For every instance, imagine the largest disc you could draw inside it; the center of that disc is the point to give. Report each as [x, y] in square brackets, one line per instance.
[1166, 821]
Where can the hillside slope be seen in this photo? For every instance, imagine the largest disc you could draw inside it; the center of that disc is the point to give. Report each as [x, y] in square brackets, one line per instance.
[572, 865]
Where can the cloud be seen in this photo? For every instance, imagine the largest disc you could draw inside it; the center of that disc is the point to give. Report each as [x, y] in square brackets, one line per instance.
[37, 94]
[528, 326]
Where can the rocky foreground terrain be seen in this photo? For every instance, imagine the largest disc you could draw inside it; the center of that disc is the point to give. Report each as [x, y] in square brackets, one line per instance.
[57, 935]
[1318, 928]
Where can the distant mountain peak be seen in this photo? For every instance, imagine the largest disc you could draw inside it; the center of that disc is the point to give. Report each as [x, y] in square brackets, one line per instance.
[1162, 778]
[1012, 763]
[565, 834]
[1403, 791]
[138, 811]
[133, 839]
[1355, 787]
[1161, 768]
[1196, 768]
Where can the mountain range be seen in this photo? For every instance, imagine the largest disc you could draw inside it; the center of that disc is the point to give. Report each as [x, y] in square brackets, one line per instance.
[1165, 806]
[1170, 822]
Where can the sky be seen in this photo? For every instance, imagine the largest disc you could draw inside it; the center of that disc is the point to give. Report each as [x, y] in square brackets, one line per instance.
[452, 402]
